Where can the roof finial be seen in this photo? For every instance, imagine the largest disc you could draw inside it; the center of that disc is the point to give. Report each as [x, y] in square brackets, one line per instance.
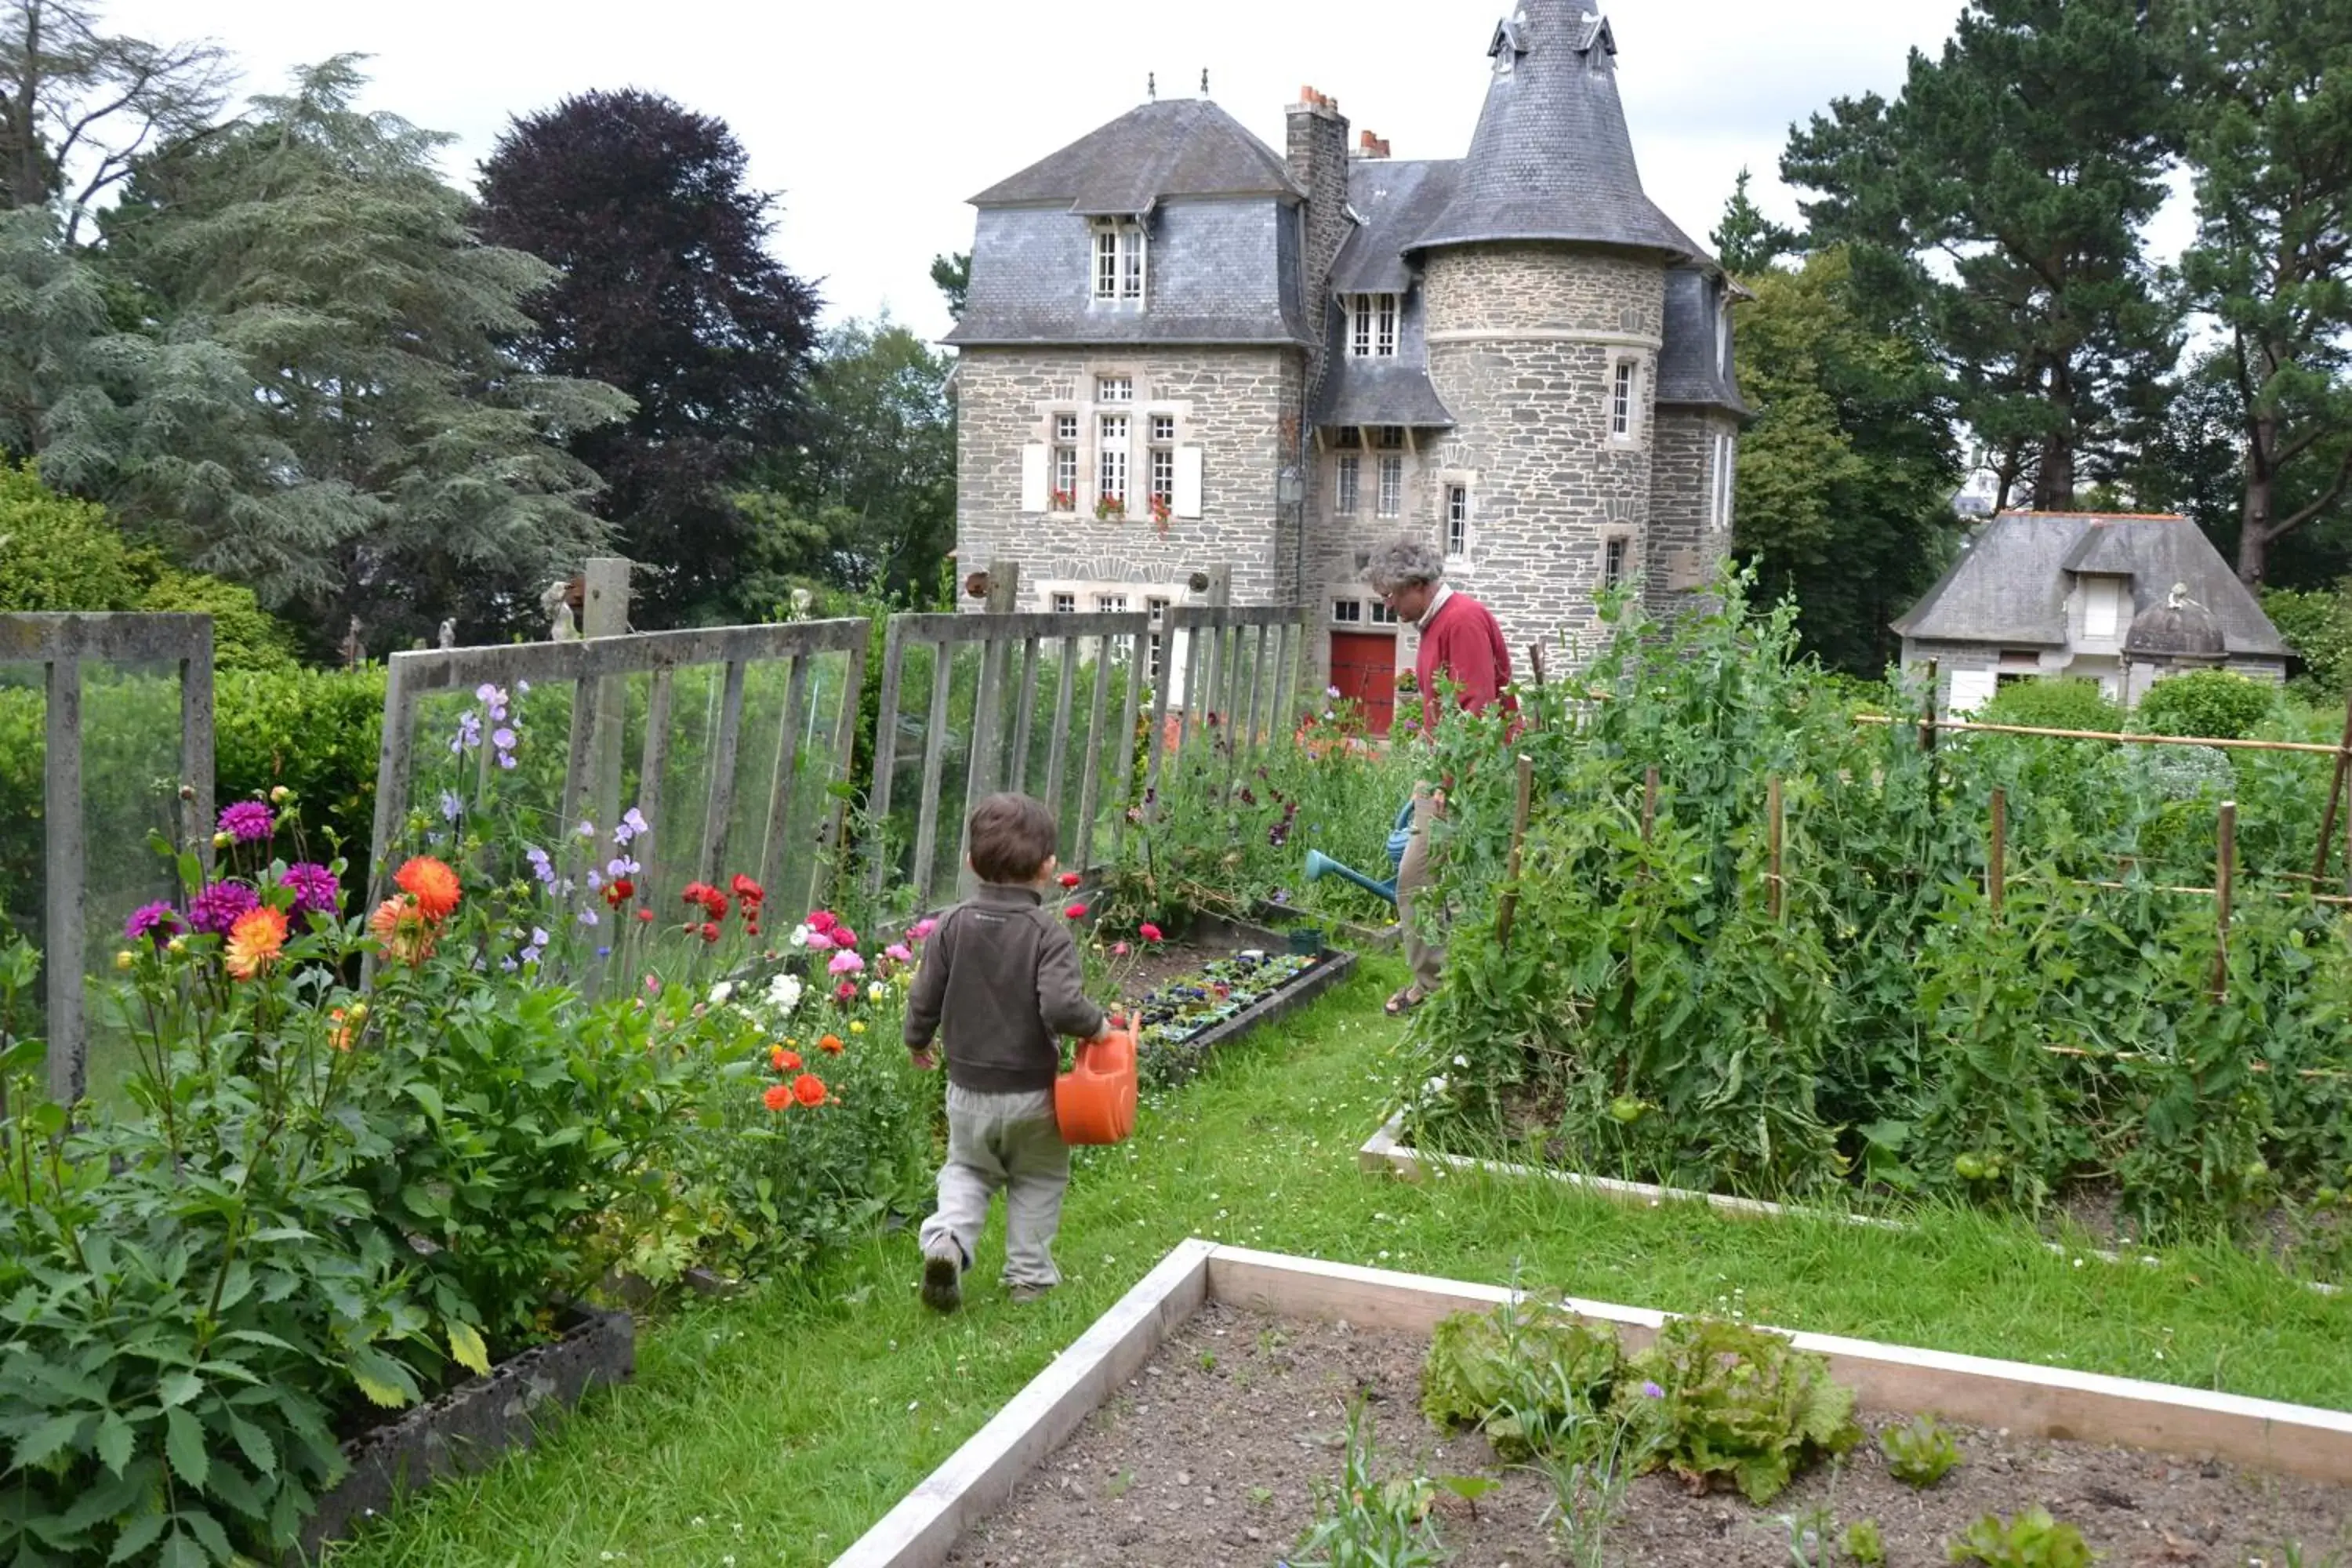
[2178, 597]
[1204, 82]
[1151, 86]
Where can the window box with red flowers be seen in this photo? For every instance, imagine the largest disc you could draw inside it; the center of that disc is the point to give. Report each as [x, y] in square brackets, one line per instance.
[1110, 509]
[1162, 510]
[1064, 500]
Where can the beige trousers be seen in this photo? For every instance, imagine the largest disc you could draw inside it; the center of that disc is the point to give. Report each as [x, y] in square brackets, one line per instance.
[1426, 959]
[1007, 1140]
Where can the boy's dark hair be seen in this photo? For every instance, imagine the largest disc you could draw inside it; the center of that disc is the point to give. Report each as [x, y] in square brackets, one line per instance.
[1013, 837]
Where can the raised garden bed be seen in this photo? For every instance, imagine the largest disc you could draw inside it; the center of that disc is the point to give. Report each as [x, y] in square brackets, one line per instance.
[1200, 1413]
[1217, 983]
[472, 1425]
[1385, 1152]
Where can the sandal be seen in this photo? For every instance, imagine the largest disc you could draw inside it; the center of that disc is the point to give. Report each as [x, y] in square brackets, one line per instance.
[1405, 1001]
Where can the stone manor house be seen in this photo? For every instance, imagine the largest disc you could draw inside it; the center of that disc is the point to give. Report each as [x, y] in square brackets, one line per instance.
[1183, 350]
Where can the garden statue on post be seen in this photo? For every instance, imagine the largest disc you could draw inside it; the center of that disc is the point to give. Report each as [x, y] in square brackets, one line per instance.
[1460, 641]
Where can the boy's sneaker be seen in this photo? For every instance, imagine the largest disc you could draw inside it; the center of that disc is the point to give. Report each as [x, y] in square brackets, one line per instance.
[942, 1283]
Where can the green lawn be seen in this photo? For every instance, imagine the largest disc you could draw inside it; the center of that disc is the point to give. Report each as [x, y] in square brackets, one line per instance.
[774, 1428]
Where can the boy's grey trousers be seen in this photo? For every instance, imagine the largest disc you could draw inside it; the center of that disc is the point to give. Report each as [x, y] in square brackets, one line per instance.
[1007, 1140]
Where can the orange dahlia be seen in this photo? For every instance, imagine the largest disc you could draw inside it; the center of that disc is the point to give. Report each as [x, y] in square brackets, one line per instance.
[254, 941]
[783, 1060]
[808, 1089]
[777, 1097]
[830, 1045]
[400, 924]
[432, 884]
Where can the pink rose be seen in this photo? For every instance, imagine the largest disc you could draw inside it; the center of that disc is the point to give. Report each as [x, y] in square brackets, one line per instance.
[819, 942]
[847, 963]
[899, 951]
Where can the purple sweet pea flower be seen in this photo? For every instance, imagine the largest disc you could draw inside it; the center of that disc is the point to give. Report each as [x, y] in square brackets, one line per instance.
[633, 822]
[249, 821]
[469, 737]
[1651, 1391]
[542, 865]
[220, 905]
[452, 808]
[159, 923]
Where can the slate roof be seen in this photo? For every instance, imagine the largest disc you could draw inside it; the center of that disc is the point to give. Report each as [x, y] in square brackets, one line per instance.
[1176, 147]
[1552, 159]
[2010, 584]
[1397, 201]
[1690, 372]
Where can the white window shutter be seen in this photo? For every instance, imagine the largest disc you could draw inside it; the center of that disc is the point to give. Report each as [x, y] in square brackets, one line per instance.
[1188, 481]
[1034, 458]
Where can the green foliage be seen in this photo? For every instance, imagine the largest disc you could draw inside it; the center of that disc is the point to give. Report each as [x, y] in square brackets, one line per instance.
[1737, 1403]
[1527, 1373]
[1366, 1522]
[1864, 1543]
[2032, 1540]
[1919, 1453]
[1844, 479]
[2068, 702]
[2211, 703]
[2317, 625]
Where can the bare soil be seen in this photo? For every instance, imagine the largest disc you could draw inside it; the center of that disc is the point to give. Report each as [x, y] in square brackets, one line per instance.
[1211, 1457]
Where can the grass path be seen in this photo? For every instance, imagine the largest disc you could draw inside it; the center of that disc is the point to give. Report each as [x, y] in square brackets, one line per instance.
[774, 1428]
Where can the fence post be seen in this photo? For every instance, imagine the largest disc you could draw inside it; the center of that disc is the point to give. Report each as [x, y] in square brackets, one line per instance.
[2334, 795]
[605, 613]
[67, 938]
[1928, 714]
[2225, 868]
[983, 760]
[1773, 823]
[1997, 862]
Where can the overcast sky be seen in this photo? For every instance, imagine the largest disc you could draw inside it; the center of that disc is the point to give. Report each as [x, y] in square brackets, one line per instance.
[875, 123]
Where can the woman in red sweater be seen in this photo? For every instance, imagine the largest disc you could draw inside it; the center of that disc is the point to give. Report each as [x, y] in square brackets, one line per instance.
[1461, 644]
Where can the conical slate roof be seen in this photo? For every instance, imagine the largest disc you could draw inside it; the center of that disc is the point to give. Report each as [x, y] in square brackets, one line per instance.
[1552, 159]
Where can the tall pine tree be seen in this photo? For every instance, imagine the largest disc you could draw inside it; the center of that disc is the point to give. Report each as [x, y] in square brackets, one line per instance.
[2268, 84]
[1998, 201]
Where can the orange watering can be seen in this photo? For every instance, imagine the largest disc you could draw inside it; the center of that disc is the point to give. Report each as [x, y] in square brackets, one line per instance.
[1094, 1102]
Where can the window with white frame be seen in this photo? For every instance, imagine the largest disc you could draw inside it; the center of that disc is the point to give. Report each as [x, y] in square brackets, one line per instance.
[1382, 615]
[1158, 610]
[1612, 562]
[1457, 519]
[1114, 389]
[1065, 463]
[1118, 261]
[1349, 481]
[1065, 603]
[1347, 611]
[1163, 461]
[1111, 604]
[1392, 439]
[1372, 326]
[1623, 382]
[1392, 497]
[1110, 460]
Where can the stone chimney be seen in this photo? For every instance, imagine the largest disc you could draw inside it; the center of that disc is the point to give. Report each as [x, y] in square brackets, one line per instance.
[1317, 156]
[1372, 146]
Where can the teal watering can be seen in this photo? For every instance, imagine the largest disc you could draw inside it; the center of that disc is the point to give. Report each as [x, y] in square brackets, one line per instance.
[1319, 865]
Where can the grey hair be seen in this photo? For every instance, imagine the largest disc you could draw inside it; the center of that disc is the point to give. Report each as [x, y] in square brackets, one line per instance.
[1403, 562]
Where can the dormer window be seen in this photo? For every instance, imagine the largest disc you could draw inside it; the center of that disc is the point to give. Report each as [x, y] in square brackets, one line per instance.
[1118, 261]
[1372, 326]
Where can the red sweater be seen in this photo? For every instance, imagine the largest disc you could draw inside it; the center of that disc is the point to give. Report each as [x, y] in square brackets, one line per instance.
[1463, 642]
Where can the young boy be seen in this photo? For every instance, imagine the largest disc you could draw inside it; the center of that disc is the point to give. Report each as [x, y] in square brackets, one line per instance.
[1001, 976]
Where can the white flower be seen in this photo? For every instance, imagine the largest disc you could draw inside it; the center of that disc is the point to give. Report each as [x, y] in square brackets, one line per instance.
[785, 993]
[876, 991]
[800, 937]
[720, 992]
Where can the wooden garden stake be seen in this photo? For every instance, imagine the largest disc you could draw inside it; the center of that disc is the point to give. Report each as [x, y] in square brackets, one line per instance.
[1996, 863]
[2225, 868]
[1511, 903]
[1648, 802]
[1928, 716]
[2334, 795]
[1772, 830]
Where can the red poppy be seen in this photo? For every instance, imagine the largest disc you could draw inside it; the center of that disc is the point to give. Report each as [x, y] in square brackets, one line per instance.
[1069, 878]
[745, 888]
[783, 1060]
[845, 992]
[647, 916]
[777, 1097]
[1075, 911]
[808, 1089]
[1148, 931]
[709, 932]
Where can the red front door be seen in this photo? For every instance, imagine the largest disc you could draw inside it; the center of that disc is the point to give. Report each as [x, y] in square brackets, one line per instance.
[1363, 667]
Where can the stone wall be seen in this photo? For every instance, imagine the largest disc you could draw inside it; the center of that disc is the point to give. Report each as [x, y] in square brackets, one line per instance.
[1237, 405]
[1685, 547]
[1523, 343]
